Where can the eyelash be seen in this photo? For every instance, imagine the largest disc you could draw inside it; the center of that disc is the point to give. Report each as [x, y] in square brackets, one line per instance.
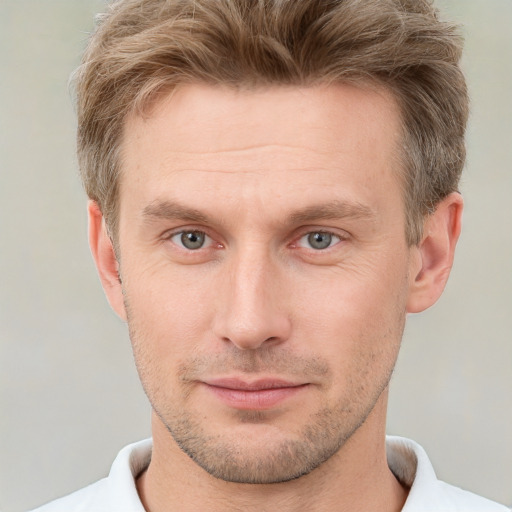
[331, 237]
[207, 239]
[337, 238]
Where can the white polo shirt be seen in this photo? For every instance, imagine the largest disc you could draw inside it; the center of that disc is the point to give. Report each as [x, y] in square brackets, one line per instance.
[407, 460]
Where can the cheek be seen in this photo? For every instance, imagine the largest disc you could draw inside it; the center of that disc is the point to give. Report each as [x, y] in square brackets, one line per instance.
[170, 312]
[361, 297]
[355, 315]
[360, 335]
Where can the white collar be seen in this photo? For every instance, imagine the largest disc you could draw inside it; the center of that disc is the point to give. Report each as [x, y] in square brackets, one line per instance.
[406, 459]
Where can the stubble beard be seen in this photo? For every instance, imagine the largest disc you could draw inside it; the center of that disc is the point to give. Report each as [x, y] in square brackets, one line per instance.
[251, 461]
[232, 461]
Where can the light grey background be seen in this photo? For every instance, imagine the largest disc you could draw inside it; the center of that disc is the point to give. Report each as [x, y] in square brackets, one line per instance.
[69, 396]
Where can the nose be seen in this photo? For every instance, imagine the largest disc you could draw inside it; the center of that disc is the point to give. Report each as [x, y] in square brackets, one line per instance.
[252, 305]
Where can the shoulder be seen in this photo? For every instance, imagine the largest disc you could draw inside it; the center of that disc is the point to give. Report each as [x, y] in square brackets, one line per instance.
[412, 467]
[117, 492]
[465, 501]
[93, 497]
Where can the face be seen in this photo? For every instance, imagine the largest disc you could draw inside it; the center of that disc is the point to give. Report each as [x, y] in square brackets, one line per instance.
[264, 268]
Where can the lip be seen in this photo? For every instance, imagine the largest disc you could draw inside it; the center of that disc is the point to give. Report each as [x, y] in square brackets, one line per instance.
[260, 394]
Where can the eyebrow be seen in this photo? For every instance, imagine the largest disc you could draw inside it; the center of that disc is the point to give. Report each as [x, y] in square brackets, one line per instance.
[332, 210]
[170, 210]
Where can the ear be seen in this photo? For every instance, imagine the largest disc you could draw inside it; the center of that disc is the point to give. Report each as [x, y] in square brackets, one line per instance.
[105, 259]
[436, 251]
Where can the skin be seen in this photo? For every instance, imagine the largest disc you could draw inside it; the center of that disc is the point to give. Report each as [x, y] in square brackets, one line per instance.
[258, 172]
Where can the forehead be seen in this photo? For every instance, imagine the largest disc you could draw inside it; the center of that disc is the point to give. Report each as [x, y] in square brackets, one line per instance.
[239, 143]
[282, 110]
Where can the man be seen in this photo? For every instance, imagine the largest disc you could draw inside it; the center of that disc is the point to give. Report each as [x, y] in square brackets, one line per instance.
[273, 187]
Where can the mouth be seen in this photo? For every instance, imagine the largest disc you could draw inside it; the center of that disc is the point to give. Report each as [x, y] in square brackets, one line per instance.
[261, 394]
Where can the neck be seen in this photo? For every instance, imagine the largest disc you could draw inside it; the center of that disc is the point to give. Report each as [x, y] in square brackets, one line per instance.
[356, 478]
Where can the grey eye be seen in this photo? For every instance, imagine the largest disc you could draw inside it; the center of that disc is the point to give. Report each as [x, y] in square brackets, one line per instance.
[191, 240]
[319, 240]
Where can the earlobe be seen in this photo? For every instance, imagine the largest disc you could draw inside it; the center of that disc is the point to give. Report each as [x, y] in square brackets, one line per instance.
[105, 259]
[436, 252]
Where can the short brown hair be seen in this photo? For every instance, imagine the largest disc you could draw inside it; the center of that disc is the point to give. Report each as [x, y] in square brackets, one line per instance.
[142, 47]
